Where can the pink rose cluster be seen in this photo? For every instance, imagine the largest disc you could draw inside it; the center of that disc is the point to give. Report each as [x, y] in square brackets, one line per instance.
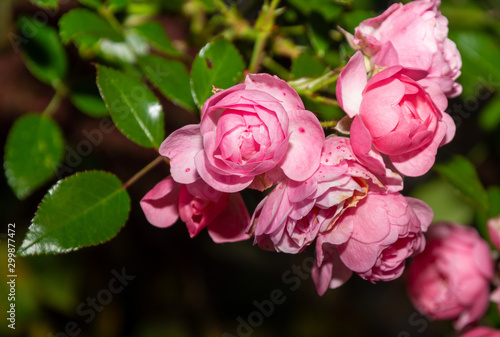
[342, 194]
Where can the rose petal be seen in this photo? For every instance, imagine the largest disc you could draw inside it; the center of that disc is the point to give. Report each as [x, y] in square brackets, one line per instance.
[160, 204]
[357, 256]
[494, 231]
[362, 147]
[181, 146]
[304, 147]
[351, 83]
[331, 273]
[424, 213]
[230, 225]
[277, 88]
[420, 161]
[222, 183]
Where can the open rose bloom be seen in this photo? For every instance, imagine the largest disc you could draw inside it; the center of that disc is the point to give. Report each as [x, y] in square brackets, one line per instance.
[372, 239]
[394, 115]
[245, 132]
[413, 36]
[451, 278]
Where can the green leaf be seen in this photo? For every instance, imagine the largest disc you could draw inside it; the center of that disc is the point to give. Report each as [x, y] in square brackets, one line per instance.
[489, 118]
[217, 64]
[81, 21]
[117, 5]
[328, 9]
[48, 4]
[91, 3]
[84, 209]
[445, 201]
[171, 78]
[307, 66]
[34, 147]
[43, 53]
[133, 107]
[463, 176]
[85, 97]
[154, 33]
[480, 54]
[209, 5]
[317, 30]
[494, 197]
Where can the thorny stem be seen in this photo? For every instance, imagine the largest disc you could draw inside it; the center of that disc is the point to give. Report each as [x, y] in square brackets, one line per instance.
[262, 36]
[145, 170]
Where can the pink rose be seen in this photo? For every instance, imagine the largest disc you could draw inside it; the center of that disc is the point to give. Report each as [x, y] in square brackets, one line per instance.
[414, 36]
[372, 239]
[294, 213]
[494, 231]
[450, 279]
[394, 116]
[247, 131]
[199, 206]
[481, 332]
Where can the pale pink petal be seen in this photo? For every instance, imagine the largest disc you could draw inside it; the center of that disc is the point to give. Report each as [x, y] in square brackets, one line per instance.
[342, 231]
[304, 148]
[349, 37]
[483, 259]
[424, 213]
[275, 87]
[450, 129]
[351, 83]
[160, 204]
[222, 183]
[420, 161]
[357, 256]
[361, 143]
[322, 275]
[494, 231]
[209, 122]
[331, 273]
[495, 296]
[387, 55]
[437, 95]
[200, 189]
[379, 109]
[478, 309]
[371, 224]
[230, 225]
[181, 146]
